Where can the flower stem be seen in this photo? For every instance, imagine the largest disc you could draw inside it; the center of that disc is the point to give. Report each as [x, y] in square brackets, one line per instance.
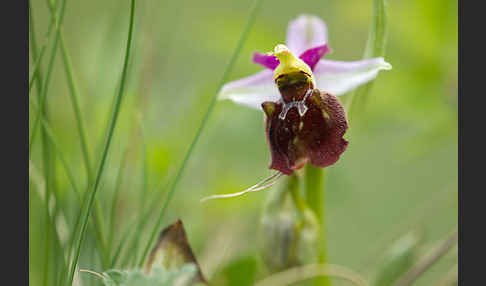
[293, 186]
[314, 191]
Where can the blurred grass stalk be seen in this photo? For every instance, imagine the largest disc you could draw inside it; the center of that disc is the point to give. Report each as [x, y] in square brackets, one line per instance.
[109, 136]
[57, 18]
[209, 110]
[34, 75]
[375, 47]
[429, 259]
[73, 91]
[42, 113]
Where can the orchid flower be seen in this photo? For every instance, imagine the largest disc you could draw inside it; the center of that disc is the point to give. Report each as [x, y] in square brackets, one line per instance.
[306, 37]
[304, 121]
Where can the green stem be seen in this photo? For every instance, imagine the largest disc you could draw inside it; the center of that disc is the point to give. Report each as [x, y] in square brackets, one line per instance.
[314, 185]
[249, 24]
[114, 118]
[293, 187]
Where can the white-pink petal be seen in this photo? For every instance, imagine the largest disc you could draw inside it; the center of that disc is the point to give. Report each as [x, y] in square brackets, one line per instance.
[252, 91]
[305, 32]
[338, 77]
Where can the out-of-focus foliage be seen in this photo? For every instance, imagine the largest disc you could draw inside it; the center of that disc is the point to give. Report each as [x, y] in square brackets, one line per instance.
[158, 277]
[400, 169]
[398, 259]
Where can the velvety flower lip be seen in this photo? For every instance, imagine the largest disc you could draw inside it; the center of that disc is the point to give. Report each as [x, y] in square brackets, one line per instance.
[306, 37]
[315, 136]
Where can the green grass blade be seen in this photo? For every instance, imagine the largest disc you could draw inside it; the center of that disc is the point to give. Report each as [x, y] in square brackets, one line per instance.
[114, 202]
[45, 85]
[143, 197]
[98, 222]
[428, 260]
[48, 162]
[74, 99]
[56, 148]
[375, 47]
[109, 137]
[34, 74]
[33, 45]
[143, 221]
[57, 240]
[126, 234]
[77, 110]
[249, 24]
[69, 174]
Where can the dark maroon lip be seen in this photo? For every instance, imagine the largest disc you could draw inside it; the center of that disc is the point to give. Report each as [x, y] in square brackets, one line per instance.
[314, 136]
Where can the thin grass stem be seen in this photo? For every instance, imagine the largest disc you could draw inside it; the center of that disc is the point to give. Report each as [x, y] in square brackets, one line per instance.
[143, 198]
[74, 99]
[34, 75]
[114, 118]
[114, 202]
[428, 260]
[48, 166]
[144, 219]
[229, 68]
[375, 47]
[69, 174]
[76, 107]
[45, 85]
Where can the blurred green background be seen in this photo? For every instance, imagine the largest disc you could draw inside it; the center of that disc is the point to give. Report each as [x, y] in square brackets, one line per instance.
[399, 172]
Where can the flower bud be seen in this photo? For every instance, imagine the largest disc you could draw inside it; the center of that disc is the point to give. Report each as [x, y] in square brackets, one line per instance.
[288, 232]
[172, 252]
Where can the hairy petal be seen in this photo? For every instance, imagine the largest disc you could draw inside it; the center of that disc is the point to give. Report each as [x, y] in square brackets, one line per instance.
[337, 77]
[305, 32]
[312, 56]
[251, 91]
[268, 61]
